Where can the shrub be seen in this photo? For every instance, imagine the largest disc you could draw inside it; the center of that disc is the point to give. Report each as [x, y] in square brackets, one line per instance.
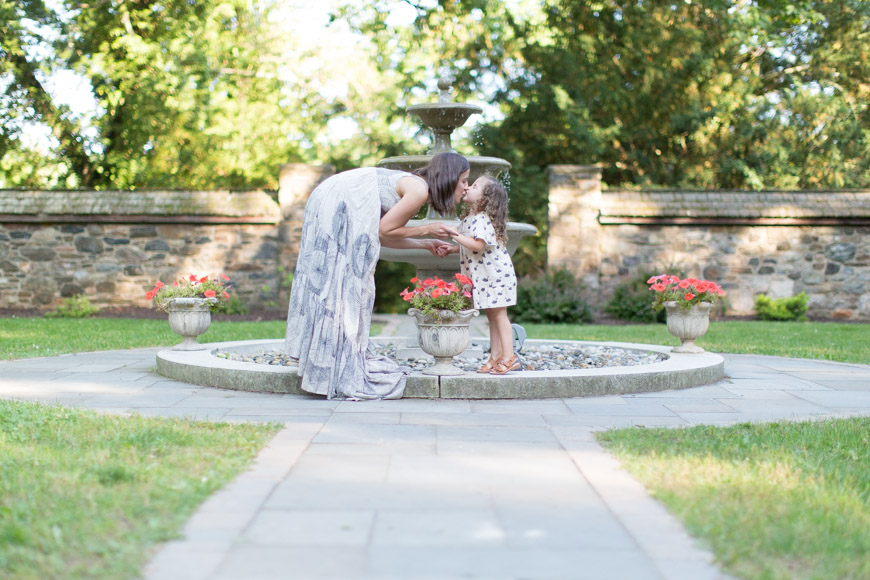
[77, 306]
[233, 305]
[793, 308]
[557, 297]
[631, 301]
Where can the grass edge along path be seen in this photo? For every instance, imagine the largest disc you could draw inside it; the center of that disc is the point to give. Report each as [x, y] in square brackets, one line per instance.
[87, 496]
[774, 501]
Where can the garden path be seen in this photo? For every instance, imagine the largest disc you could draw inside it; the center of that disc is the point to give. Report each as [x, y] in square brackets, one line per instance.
[438, 489]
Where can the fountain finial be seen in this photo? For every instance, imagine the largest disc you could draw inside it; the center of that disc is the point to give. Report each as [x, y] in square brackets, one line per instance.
[445, 83]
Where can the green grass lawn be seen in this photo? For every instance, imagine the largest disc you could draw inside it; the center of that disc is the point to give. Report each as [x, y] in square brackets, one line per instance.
[820, 340]
[86, 496]
[32, 337]
[782, 501]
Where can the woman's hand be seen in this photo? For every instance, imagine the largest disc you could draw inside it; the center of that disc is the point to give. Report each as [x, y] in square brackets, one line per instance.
[440, 230]
[438, 248]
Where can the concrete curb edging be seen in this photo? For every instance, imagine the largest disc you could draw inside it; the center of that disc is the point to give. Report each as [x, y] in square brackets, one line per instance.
[678, 371]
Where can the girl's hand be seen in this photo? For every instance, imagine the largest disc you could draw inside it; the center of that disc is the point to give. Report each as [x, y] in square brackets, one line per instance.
[439, 249]
[440, 230]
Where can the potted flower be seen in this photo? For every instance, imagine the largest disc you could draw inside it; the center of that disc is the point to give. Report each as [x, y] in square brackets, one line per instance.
[443, 311]
[189, 302]
[688, 302]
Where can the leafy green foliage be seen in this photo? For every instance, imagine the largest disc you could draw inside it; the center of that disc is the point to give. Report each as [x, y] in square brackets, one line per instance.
[555, 297]
[187, 93]
[632, 301]
[791, 308]
[232, 305]
[691, 94]
[77, 306]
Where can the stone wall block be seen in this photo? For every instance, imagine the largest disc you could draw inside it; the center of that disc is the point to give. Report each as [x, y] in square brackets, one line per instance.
[38, 253]
[840, 252]
[88, 244]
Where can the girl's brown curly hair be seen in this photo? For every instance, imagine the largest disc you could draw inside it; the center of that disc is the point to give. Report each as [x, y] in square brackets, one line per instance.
[493, 203]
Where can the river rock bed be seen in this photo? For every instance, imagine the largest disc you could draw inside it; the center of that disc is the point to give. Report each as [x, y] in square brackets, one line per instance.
[534, 358]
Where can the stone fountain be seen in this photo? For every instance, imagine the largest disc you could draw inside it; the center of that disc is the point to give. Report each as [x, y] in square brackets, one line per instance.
[218, 365]
[442, 118]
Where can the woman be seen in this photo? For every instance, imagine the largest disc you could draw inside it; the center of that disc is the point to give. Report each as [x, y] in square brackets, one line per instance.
[347, 219]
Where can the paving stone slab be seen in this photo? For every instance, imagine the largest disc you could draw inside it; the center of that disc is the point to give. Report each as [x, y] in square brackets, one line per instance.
[837, 399]
[298, 528]
[474, 419]
[509, 562]
[416, 495]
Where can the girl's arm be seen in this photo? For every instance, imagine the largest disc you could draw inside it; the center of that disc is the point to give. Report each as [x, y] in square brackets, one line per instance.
[473, 244]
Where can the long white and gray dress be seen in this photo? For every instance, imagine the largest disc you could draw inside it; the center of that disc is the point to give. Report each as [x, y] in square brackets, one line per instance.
[333, 290]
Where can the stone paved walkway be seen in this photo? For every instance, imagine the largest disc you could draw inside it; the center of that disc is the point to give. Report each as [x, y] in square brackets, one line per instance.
[438, 489]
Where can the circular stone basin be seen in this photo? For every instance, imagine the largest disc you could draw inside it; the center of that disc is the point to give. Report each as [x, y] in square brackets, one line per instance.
[673, 371]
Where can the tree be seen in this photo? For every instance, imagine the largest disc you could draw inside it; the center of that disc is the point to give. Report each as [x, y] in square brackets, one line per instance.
[189, 94]
[714, 94]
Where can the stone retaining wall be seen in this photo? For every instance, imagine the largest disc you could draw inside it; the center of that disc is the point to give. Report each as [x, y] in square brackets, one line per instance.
[777, 242]
[112, 245]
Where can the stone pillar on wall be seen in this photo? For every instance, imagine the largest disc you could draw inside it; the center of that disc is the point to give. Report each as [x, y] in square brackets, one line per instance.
[296, 181]
[574, 232]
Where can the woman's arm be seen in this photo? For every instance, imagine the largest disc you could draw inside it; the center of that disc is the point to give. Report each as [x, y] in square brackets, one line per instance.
[393, 226]
[437, 247]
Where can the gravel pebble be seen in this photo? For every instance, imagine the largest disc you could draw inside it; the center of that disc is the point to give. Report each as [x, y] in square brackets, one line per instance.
[533, 358]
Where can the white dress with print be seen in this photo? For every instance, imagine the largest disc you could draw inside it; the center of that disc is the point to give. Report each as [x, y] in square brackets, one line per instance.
[491, 269]
[333, 293]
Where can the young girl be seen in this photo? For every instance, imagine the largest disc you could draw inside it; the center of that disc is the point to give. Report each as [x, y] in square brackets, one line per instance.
[484, 258]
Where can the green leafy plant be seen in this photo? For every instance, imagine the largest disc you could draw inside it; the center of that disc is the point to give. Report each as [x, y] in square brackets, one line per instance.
[555, 297]
[232, 305]
[76, 306]
[630, 301]
[792, 308]
[433, 295]
[686, 292]
[191, 287]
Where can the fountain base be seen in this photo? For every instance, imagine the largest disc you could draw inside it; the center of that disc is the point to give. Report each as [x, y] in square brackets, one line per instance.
[674, 372]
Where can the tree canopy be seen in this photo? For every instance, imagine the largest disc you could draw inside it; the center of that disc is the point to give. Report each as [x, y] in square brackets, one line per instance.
[743, 94]
[187, 95]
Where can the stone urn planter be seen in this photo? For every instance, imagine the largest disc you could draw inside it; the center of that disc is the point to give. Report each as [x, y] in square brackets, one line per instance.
[688, 324]
[443, 336]
[189, 317]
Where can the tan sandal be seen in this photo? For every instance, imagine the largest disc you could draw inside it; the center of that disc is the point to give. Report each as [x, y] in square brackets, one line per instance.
[507, 365]
[488, 366]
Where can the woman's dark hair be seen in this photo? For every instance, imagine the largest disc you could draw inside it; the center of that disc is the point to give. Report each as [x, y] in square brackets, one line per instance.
[493, 203]
[442, 175]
